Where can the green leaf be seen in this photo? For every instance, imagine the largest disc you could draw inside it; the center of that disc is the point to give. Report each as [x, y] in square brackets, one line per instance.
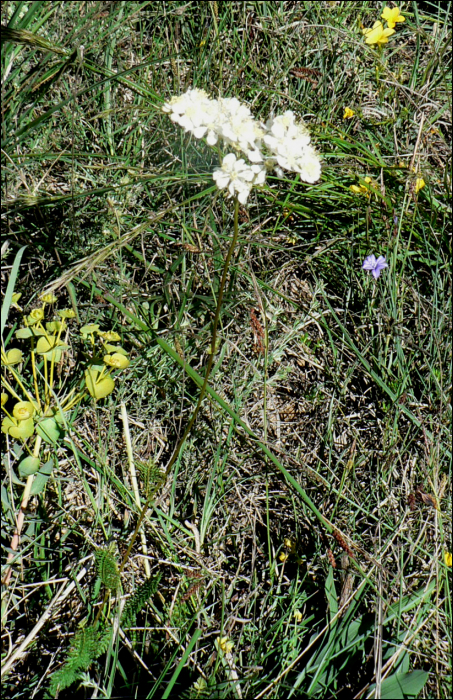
[49, 430]
[24, 333]
[331, 595]
[107, 568]
[29, 465]
[402, 685]
[10, 288]
[42, 477]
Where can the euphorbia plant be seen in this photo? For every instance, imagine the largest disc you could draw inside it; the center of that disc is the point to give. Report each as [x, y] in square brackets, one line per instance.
[36, 395]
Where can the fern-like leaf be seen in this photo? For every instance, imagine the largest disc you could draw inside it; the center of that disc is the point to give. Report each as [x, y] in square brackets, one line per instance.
[152, 477]
[107, 568]
[88, 644]
[138, 600]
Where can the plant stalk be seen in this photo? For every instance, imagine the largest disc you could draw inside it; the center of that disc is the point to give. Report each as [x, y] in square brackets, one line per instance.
[209, 364]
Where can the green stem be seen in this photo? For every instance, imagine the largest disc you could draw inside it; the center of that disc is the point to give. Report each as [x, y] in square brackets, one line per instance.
[213, 341]
[209, 364]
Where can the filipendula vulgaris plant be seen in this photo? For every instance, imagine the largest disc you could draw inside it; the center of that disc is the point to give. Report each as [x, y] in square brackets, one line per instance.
[254, 149]
[36, 395]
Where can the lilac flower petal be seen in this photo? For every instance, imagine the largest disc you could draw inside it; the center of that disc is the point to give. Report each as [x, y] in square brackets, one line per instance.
[369, 263]
[380, 263]
[374, 266]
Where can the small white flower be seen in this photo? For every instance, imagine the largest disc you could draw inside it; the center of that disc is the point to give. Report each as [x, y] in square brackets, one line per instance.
[239, 129]
[309, 166]
[290, 144]
[285, 129]
[238, 177]
[196, 113]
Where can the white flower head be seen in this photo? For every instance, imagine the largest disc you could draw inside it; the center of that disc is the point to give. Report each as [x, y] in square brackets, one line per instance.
[289, 142]
[239, 129]
[238, 177]
[196, 113]
[309, 166]
[281, 144]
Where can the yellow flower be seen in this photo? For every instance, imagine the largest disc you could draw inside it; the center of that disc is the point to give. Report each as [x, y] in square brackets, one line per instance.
[110, 336]
[348, 113]
[116, 360]
[66, 313]
[362, 189]
[48, 298]
[35, 316]
[5, 398]
[23, 410]
[377, 34]
[448, 558]
[298, 615]
[392, 16]
[419, 184]
[283, 556]
[225, 645]
[289, 544]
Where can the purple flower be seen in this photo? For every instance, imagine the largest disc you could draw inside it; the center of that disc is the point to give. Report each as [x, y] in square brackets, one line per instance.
[374, 266]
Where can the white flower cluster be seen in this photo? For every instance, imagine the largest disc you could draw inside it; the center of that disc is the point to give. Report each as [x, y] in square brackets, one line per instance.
[289, 142]
[280, 144]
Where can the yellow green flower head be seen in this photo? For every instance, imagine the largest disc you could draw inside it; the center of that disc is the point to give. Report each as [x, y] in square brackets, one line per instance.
[12, 357]
[46, 345]
[5, 398]
[53, 326]
[110, 349]
[35, 316]
[97, 385]
[298, 615]
[392, 16]
[66, 313]
[23, 410]
[348, 113]
[110, 336]
[19, 429]
[225, 645]
[377, 34]
[48, 298]
[116, 360]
